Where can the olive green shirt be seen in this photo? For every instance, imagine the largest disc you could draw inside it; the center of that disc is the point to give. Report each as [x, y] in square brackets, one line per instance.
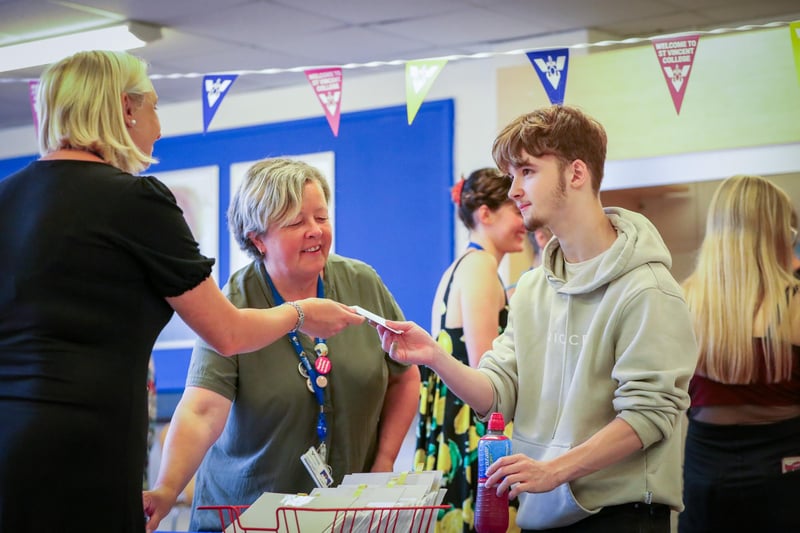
[273, 418]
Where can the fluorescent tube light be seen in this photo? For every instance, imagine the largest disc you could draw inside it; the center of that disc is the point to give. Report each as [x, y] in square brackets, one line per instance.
[44, 51]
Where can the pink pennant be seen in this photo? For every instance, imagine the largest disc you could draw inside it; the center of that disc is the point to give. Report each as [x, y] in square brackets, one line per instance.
[675, 57]
[327, 85]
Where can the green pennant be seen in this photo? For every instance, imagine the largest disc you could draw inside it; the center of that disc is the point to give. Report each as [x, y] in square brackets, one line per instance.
[420, 75]
[794, 27]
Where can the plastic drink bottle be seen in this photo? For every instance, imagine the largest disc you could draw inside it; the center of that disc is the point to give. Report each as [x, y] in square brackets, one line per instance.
[491, 511]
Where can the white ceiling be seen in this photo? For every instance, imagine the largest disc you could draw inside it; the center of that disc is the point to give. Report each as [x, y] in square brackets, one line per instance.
[210, 36]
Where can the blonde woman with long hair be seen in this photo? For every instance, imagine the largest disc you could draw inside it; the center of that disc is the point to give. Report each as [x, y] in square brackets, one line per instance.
[744, 423]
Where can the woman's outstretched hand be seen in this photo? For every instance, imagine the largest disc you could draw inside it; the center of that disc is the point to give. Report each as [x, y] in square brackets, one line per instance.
[325, 318]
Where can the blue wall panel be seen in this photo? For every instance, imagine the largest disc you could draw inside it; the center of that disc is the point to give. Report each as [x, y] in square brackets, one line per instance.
[392, 194]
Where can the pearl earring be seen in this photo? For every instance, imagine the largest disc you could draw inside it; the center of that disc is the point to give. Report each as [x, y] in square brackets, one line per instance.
[133, 122]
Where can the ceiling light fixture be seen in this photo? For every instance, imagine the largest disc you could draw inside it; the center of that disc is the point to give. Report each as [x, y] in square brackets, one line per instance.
[43, 51]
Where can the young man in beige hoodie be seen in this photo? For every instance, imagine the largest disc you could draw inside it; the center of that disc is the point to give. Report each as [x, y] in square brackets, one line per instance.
[594, 365]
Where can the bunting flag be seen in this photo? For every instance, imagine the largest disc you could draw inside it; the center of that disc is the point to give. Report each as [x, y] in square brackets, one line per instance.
[420, 75]
[327, 85]
[794, 27]
[215, 87]
[33, 96]
[552, 66]
[675, 57]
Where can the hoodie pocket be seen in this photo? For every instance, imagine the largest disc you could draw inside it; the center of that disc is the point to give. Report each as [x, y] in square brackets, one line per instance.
[544, 510]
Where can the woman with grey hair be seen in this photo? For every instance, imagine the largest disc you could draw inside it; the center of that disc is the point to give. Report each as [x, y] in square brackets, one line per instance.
[93, 262]
[246, 421]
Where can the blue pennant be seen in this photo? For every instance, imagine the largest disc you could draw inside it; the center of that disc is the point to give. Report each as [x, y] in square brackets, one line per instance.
[215, 87]
[551, 66]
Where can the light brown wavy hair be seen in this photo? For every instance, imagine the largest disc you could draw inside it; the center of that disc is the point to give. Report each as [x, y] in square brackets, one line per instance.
[562, 131]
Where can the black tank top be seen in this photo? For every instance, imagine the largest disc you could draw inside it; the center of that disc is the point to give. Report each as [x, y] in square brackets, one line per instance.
[457, 334]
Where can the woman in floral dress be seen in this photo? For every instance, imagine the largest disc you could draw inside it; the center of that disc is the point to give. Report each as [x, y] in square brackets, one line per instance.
[469, 310]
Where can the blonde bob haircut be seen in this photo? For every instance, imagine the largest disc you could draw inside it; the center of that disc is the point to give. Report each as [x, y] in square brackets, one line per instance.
[743, 273]
[80, 106]
[271, 194]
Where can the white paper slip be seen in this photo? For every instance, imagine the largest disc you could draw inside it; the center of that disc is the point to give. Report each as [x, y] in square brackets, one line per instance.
[374, 318]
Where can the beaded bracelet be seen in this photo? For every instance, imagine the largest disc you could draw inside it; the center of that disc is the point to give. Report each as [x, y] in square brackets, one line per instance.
[301, 316]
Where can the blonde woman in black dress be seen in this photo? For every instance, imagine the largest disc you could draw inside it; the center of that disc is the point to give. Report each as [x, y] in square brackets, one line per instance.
[94, 260]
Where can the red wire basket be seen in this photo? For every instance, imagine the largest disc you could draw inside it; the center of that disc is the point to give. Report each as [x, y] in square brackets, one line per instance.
[417, 519]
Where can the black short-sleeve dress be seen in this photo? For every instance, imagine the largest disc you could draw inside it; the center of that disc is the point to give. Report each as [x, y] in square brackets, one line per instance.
[87, 255]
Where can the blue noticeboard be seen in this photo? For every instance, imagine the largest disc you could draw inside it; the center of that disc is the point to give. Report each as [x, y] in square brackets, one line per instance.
[392, 200]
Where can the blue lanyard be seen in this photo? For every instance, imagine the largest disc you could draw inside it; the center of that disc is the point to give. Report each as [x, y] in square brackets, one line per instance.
[475, 245]
[319, 392]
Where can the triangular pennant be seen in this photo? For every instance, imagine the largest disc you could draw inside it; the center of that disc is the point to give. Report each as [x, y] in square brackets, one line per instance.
[552, 67]
[675, 57]
[794, 27]
[327, 85]
[215, 87]
[33, 96]
[420, 75]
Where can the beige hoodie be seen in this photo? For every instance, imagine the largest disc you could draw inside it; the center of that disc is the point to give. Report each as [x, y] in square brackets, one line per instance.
[614, 340]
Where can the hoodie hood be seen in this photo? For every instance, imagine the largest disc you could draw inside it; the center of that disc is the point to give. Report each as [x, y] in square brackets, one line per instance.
[638, 243]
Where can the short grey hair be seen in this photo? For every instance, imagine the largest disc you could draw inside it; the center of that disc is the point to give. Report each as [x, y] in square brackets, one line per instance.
[270, 194]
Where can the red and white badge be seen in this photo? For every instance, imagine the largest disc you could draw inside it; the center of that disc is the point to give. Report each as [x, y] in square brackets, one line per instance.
[323, 365]
[790, 464]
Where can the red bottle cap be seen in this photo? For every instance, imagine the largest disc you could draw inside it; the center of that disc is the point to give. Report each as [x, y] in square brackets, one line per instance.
[496, 422]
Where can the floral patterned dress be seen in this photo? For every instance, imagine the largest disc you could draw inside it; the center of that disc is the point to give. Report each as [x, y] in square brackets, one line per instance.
[448, 433]
[152, 416]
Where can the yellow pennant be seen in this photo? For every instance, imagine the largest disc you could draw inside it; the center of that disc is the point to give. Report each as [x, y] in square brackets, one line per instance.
[420, 75]
[794, 27]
